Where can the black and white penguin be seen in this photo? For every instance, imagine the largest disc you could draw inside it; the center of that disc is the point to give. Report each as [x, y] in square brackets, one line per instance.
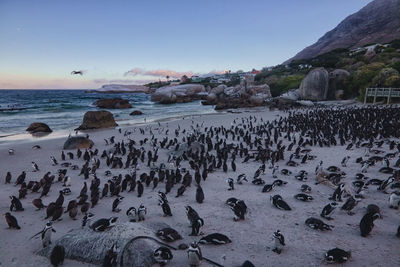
[15, 204]
[247, 264]
[162, 255]
[337, 255]
[8, 178]
[142, 211]
[57, 255]
[35, 167]
[102, 224]
[199, 194]
[385, 185]
[279, 242]
[278, 202]
[67, 181]
[46, 234]
[350, 203]
[194, 255]
[215, 239]
[131, 213]
[367, 223]
[192, 215]
[279, 182]
[196, 224]
[11, 151]
[394, 200]
[305, 188]
[303, 197]
[317, 224]
[328, 209]
[139, 188]
[53, 161]
[337, 194]
[286, 172]
[87, 219]
[344, 161]
[268, 188]
[239, 209]
[168, 234]
[230, 184]
[116, 203]
[66, 191]
[11, 221]
[241, 178]
[111, 257]
[180, 191]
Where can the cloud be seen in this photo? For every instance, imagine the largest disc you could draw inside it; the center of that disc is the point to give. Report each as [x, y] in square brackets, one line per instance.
[163, 73]
[123, 81]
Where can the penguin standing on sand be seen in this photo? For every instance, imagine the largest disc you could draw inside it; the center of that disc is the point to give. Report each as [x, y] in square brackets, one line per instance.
[166, 208]
[199, 194]
[194, 255]
[11, 221]
[131, 213]
[279, 242]
[16, 204]
[35, 167]
[111, 257]
[328, 209]
[230, 184]
[53, 161]
[337, 194]
[142, 211]
[367, 223]
[116, 203]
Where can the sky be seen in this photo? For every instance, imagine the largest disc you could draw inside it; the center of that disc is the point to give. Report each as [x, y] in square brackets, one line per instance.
[137, 41]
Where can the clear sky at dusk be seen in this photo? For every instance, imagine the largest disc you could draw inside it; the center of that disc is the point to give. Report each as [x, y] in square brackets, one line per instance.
[41, 42]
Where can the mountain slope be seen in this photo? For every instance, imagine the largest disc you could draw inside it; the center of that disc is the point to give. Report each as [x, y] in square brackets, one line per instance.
[377, 22]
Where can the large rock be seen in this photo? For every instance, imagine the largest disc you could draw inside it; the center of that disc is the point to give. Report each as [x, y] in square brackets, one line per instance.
[97, 120]
[179, 93]
[39, 127]
[88, 246]
[113, 103]
[335, 78]
[315, 85]
[76, 142]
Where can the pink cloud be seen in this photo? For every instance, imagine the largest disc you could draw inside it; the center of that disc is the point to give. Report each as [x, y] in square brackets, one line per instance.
[163, 73]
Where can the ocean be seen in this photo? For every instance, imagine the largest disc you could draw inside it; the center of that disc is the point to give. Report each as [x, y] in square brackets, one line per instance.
[63, 110]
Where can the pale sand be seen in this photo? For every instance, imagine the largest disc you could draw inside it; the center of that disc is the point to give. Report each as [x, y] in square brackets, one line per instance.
[250, 238]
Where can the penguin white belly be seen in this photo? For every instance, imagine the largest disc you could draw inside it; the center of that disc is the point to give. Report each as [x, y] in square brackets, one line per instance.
[193, 259]
[278, 244]
[46, 238]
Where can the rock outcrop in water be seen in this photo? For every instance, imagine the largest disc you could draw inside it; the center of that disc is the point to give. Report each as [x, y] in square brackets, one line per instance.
[86, 245]
[113, 103]
[136, 113]
[39, 127]
[179, 93]
[97, 120]
[76, 142]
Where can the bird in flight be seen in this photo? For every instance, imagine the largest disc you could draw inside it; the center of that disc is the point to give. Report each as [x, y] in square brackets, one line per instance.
[76, 72]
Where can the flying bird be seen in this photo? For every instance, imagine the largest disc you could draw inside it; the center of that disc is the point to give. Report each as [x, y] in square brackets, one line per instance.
[76, 72]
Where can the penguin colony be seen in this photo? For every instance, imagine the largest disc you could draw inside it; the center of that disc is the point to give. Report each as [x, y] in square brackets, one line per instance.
[128, 175]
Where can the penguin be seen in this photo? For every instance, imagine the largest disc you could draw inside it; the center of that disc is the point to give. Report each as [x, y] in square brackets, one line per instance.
[67, 181]
[8, 178]
[215, 239]
[35, 167]
[11, 221]
[87, 219]
[239, 208]
[15, 204]
[46, 234]
[279, 182]
[62, 155]
[73, 212]
[350, 203]
[54, 161]
[317, 224]
[103, 224]
[230, 184]
[168, 234]
[57, 255]
[337, 194]
[58, 211]
[303, 197]
[162, 255]
[337, 255]
[166, 208]
[111, 257]
[194, 255]
[131, 213]
[247, 264]
[305, 188]
[199, 194]
[278, 202]
[394, 200]
[192, 215]
[140, 189]
[241, 178]
[116, 203]
[268, 188]
[398, 232]
[286, 172]
[60, 199]
[344, 161]
[11, 151]
[367, 223]
[50, 210]
[38, 203]
[66, 191]
[142, 211]
[180, 191]
[328, 209]
[279, 242]
[385, 185]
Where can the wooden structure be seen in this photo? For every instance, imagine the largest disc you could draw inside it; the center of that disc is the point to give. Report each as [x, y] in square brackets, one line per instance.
[389, 93]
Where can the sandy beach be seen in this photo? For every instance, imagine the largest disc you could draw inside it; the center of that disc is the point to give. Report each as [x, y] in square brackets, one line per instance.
[251, 238]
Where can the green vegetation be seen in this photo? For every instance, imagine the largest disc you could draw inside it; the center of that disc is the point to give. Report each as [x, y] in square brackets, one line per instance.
[377, 68]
